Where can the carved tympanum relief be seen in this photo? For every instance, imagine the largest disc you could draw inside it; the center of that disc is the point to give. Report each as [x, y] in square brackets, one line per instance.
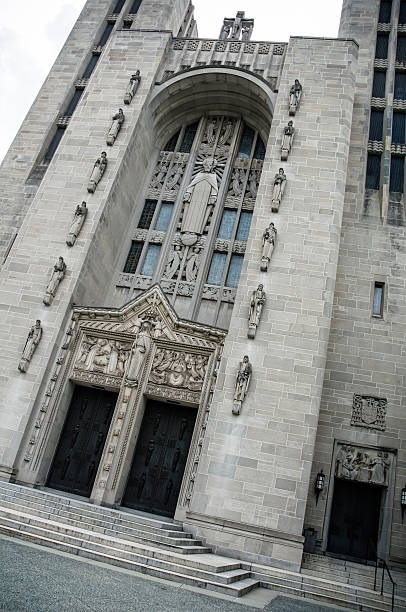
[178, 369]
[363, 464]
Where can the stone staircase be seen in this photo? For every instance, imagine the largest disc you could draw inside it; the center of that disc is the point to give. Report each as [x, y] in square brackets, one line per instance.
[159, 547]
[137, 541]
[333, 581]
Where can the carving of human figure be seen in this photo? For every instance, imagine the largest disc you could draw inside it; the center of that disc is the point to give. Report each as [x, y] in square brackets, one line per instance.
[175, 175]
[225, 31]
[176, 376]
[57, 276]
[97, 172]
[174, 261]
[287, 140]
[33, 339]
[160, 173]
[295, 94]
[246, 32]
[85, 348]
[268, 245]
[228, 130]
[237, 182]
[132, 87]
[77, 223]
[139, 351]
[253, 183]
[377, 470]
[211, 131]
[192, 265]
[102, 355]
[162, 363]
[257, 303]
[118, 120]
[236, 28]
[340, 460]
[200, 198]
[241, 384]
[279, 185]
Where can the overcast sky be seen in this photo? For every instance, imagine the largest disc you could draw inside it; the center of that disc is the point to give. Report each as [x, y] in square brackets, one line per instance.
[32, 33]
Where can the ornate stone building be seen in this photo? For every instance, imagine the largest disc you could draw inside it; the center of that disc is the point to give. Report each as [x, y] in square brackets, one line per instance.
[203, 288]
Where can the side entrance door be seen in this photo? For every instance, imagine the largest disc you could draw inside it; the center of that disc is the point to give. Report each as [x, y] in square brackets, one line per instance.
[354, 523]
[160, 458]
[81, 444]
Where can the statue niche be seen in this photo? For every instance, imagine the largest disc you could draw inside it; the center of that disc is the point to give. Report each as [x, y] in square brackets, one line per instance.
[200, 198]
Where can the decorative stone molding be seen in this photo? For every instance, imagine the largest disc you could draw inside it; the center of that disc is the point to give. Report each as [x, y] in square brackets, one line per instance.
[279, 49]
[397, 104]
[178, 395]
[362, 464]
[95, 378]
[369, 411]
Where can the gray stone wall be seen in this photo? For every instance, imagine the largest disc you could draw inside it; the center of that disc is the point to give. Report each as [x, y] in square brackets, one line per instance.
[365, 355]
[253, 479]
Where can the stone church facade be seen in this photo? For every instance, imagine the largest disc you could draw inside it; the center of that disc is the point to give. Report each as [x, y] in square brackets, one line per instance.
[204, 279]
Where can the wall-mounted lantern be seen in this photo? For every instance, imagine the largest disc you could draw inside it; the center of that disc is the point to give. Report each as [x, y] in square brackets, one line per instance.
[403, 501]
[319, 485]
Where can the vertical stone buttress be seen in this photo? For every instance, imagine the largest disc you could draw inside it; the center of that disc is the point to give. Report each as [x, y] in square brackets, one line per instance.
[253, 479]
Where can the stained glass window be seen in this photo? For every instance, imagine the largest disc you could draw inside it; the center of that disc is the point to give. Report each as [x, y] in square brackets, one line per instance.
[244, 226]
[227, 224]
[171, 144]
[397, 172]
[373, 171]
[188, 137]
[259, 152]
[164, 216]
[378, 300]
[381, 51]
[147, 214]
[246, 141]
[234, 270]
[217, 268]
[151, 258]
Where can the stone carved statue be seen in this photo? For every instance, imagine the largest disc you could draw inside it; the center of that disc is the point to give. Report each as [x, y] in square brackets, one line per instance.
[200, 197]
[363, 465]
[33, 339]
[232, 29]
[268, 245]
[139, 351]
[225, 31]
[258, 298]
[287, 140]
[295, 95]
[98, 171]
[103, 355]
[178, 369]
[118, 120]
[192, 265]
[173, 263]
[132, 87]
[241, 384]
[77, 223]
[279, 185]
[57, 276]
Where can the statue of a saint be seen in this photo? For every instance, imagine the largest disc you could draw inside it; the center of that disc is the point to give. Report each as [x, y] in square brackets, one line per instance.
[200, 197]
[241, 384]
[295, 94]
[76, 225]
[225, 31]
[279, 185]
[257, 303]
[132, 87]
[287, 140]
[246, 32]
[33, 338]
[268, 245]
[173, 263]
[192, 265]
[118, 120]
[139, 351]
[57, 276]
[98, 171]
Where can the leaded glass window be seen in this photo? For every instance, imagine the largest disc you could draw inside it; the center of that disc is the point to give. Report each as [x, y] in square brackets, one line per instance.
[400, 86]
[385, 11]
[377, 308]
[401, 49]
[133, 257]
[188, 137]
[246, 142]
[376, 125]
[164, 216]
[218, 263]
[147, 214]
[382, 46]
[171, 144]
[234, 270]
[373, 171]
[398, 131]
[227, 224]
[378, 87]
[150, 260]
[397, 171]
[244, 226]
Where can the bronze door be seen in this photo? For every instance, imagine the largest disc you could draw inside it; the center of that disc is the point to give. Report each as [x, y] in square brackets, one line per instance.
[81, 444]
[354, 522]
[160, 457]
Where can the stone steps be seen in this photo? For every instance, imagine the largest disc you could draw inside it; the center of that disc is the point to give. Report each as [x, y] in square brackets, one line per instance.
[54, 521]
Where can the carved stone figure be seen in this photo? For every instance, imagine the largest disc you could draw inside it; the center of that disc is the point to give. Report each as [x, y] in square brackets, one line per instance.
[57, 276]
[192, 265]
[257, 303]
[235, 27]
[279, 185]
[118, 120]
[77, 223]
[200, 197]
[295, 94]
[173, 263]
[98, 171]
[237, 182]
[287, 140]
[178, 369]
[241, 384]
[211, 131]
[225, 31]
[227, 132]
[268, 245]
[33, 339]
[132, 87]
[139, 351]
[363, 465]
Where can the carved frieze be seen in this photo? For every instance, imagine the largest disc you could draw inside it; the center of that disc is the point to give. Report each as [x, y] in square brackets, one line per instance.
[179, 395]
[102, 355]
[177, 369]
[363, 464]
[368, 411]
[96, 378]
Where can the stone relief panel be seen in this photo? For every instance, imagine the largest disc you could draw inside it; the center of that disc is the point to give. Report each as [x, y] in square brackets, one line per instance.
[363, 464]
[177, 369]
[369, 411]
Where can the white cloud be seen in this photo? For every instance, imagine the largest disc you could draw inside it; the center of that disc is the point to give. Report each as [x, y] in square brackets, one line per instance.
[33, 33]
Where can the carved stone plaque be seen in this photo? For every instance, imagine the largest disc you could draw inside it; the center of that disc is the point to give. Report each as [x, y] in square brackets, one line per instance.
[368, 411]
[363, 464]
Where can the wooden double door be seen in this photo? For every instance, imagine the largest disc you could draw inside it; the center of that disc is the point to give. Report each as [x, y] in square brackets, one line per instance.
[160, 458]
[82, 441]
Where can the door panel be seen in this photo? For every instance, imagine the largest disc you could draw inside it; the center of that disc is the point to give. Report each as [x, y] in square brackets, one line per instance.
[160, 458]
[81, 444]
[354, 522]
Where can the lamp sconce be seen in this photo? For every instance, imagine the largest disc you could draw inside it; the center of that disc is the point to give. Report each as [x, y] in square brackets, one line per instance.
[319, 484]
[403, 501]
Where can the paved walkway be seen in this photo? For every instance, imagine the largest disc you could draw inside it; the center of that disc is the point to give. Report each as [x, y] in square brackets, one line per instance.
[35, 579]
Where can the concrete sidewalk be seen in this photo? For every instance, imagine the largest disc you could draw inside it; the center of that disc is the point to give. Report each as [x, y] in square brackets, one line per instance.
[34, 579]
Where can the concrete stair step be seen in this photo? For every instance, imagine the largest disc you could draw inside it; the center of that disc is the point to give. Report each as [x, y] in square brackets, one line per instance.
[79, 531]
[228, 583]
[78, 520]
[55, 500]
